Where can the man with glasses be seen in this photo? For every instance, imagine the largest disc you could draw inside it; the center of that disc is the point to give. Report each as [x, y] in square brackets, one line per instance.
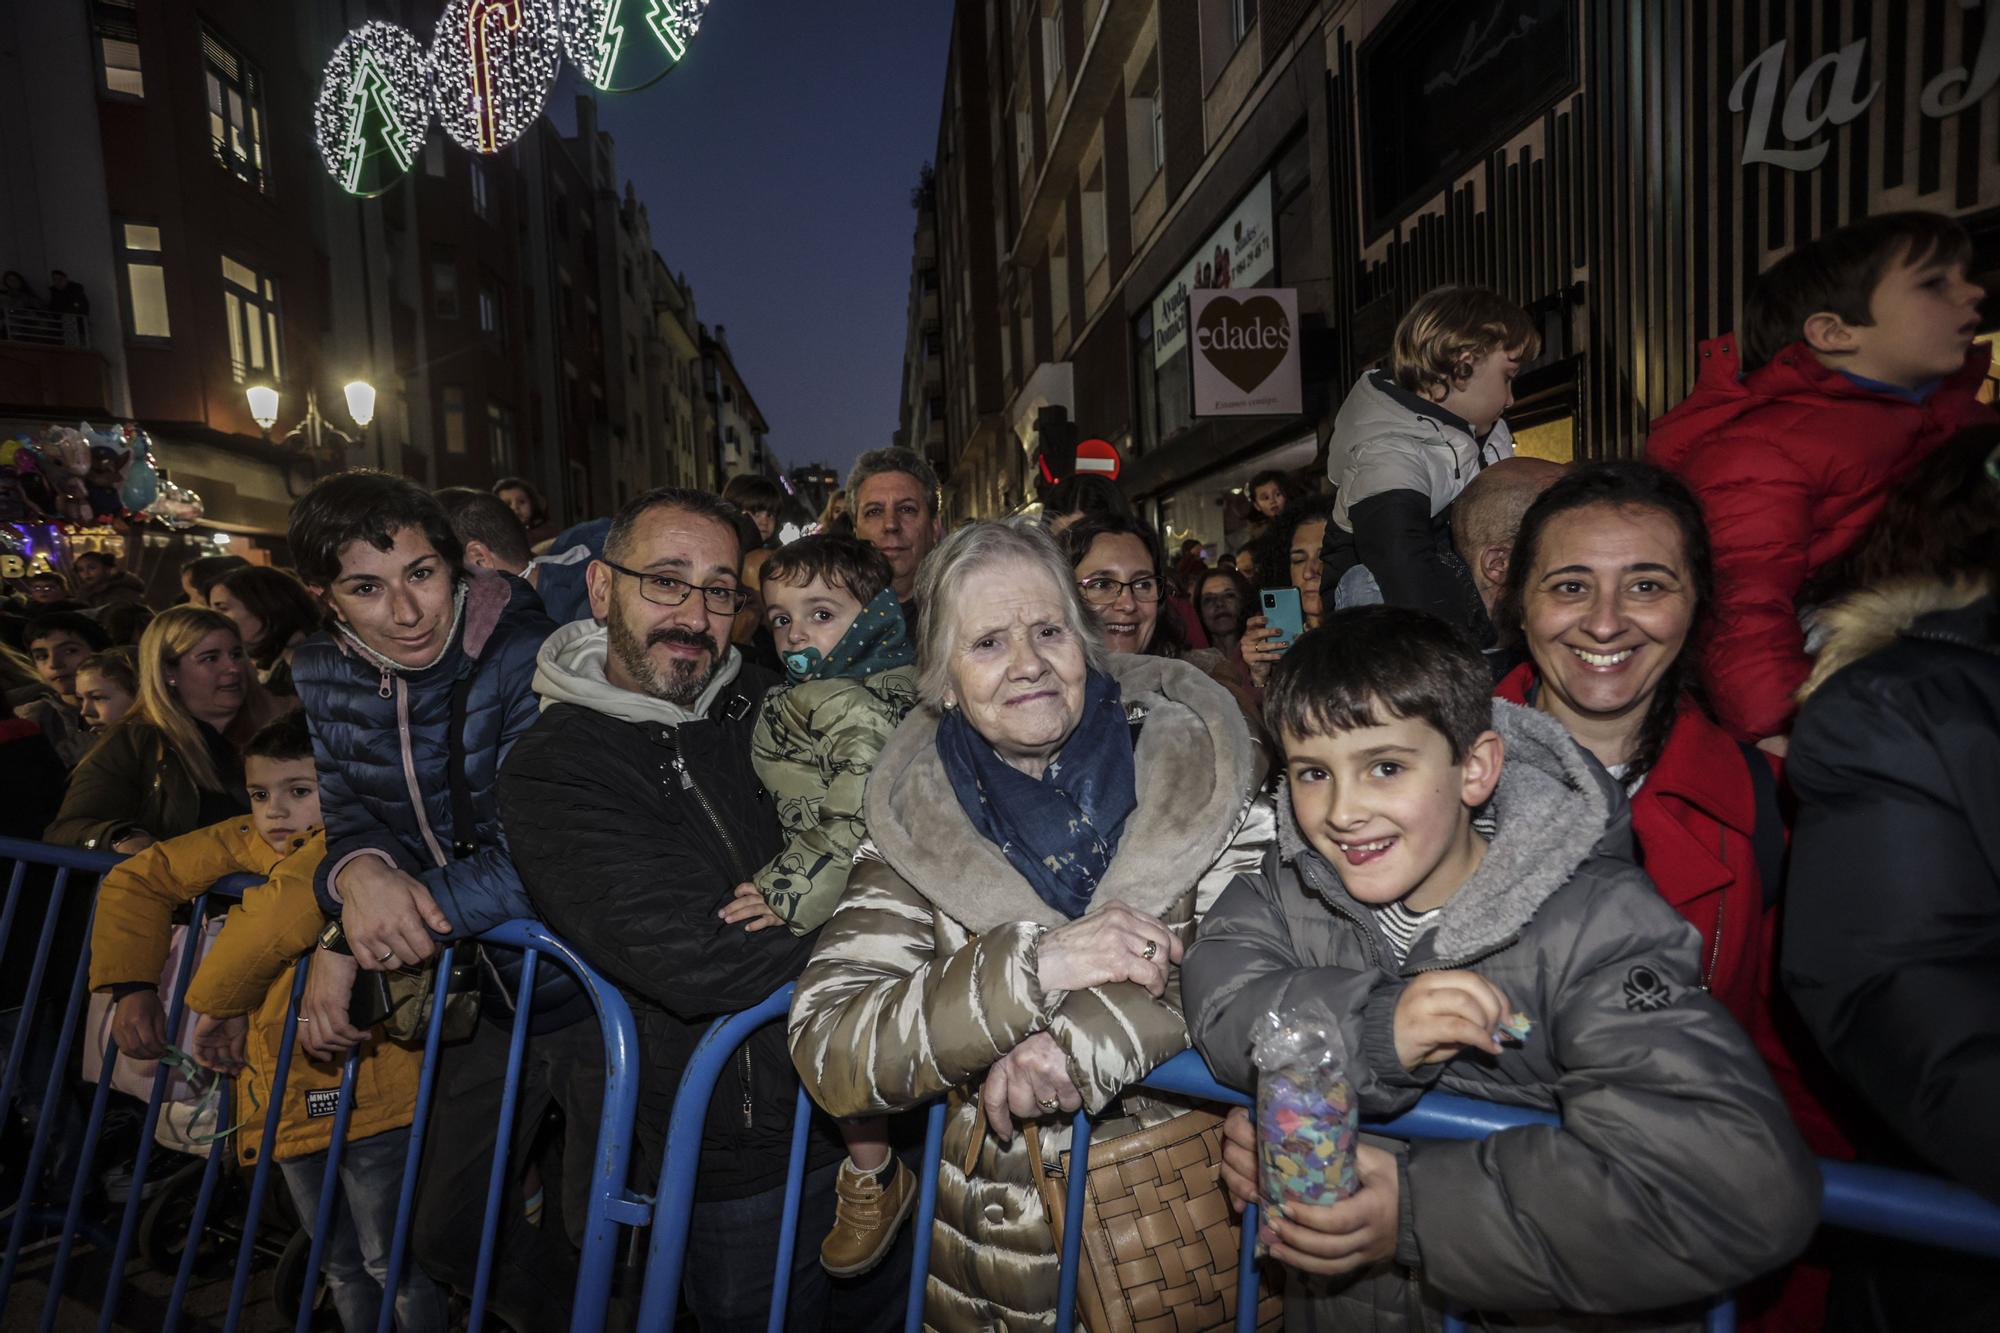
[634, 812]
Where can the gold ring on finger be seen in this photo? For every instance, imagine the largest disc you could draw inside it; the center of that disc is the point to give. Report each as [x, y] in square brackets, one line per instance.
[1051, 1105]
[1151, 951]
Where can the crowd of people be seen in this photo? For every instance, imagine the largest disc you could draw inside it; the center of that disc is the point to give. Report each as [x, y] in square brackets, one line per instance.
[1656, 793]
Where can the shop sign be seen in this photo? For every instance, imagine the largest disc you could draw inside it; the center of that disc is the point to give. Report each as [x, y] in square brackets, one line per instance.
[1242, 252]
[1246, 352]
[1832, 84]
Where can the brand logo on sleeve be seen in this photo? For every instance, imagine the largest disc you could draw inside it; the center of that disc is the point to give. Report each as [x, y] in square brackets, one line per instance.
[1646, 990]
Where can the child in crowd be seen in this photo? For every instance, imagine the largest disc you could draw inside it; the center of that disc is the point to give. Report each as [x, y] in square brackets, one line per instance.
[1854, 361]
[1410, 438]
[107, 687]
[58, 642]
[248, 972]
[829, 603]
[1446, 863]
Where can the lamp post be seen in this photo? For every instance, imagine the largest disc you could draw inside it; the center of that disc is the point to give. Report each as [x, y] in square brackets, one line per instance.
[314, 426]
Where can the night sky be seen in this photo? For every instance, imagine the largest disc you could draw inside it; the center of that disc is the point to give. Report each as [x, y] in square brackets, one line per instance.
[776, 164]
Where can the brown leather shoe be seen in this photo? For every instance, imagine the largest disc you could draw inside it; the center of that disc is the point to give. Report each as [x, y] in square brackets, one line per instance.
[866, 1217]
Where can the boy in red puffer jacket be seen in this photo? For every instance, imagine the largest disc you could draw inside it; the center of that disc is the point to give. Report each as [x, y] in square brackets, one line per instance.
[1854, 361]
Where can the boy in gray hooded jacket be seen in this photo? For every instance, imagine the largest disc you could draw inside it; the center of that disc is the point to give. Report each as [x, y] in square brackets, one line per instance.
[1444, 862]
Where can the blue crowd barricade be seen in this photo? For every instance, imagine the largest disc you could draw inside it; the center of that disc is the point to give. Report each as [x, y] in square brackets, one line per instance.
[73, 873]
[1874, 1200]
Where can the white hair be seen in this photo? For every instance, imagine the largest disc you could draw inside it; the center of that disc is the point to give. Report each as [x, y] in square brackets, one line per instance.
[980, 545]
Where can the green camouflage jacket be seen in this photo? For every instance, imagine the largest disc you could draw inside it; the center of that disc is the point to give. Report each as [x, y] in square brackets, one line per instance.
[814, 747]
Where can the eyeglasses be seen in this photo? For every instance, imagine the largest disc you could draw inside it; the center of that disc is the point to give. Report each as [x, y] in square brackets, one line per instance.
[666, 590]
[1105, 591]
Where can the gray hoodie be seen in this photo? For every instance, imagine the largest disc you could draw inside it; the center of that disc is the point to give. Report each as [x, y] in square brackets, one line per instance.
[1676, 1174]
[570, 670]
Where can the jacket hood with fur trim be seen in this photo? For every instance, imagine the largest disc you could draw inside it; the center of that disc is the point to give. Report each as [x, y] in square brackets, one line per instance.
[1554, 809]
[1198, 771]
[1868, 621]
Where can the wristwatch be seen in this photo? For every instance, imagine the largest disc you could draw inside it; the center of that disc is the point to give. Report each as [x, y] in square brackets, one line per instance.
[334, 939]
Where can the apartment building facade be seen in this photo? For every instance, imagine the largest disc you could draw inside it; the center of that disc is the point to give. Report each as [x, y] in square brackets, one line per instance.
[920, 418]
[509, 310]
[1606, 166]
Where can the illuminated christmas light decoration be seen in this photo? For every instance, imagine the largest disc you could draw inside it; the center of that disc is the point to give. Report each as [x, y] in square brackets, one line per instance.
[493, 63]
[373, 108]
[620, 46]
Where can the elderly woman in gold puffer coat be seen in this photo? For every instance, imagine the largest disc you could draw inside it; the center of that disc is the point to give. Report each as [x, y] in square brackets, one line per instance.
[1043, 835]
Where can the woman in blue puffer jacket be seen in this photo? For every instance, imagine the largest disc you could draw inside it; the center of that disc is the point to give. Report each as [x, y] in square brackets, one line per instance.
[415, 693]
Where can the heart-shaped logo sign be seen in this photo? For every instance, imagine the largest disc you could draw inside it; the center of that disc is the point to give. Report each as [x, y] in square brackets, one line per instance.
[1245, 340]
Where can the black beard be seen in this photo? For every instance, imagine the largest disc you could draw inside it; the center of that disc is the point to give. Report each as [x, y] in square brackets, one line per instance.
[683, 682]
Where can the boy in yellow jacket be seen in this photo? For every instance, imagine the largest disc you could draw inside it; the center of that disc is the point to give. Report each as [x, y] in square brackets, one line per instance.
[240, 994]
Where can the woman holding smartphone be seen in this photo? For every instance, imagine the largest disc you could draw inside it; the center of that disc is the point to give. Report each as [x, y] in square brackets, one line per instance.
[1266, 636]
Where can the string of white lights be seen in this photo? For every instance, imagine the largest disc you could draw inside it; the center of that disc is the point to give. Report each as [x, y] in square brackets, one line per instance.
[493, 63]
[487, 75]
[374, 107]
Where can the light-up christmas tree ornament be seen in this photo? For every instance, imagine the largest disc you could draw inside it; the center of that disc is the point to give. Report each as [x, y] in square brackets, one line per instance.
[620, 46]
[493, 63]
[373, 108]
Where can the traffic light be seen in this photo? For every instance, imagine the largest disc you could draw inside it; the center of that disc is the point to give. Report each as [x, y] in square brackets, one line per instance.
[1055, 447]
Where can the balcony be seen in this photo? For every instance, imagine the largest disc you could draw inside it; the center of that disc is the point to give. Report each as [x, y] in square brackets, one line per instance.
[47, 363]
[42, 328]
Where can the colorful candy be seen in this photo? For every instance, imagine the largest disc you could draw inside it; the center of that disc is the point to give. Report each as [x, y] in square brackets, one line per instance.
[1515, 1026]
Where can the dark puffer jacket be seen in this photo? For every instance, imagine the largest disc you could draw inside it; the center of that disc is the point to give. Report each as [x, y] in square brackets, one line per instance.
[1892, 919]
[382, 740]
[633, 821]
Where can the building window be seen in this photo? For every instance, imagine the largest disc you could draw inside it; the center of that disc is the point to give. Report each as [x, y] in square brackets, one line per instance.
[235, 110]
[1024, 143]
[492, 311]
[500, 437]
[444, 287]
[1093, 220]
[482, 198]
[1242, 15]
[1052, 50]
[250, 306]
[145, 279]
[1058, 286]
[434, 156]
[454, 419]
[1145, 134]
[115, 25]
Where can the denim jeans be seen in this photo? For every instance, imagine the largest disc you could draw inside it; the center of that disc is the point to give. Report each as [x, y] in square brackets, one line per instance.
[732, 1255]
[357, 1254]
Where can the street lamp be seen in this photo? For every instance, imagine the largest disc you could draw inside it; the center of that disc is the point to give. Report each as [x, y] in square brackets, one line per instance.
[360, 402]
[313, 426]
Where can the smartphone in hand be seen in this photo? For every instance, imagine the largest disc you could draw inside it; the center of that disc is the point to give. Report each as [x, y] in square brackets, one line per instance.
[1282, 612]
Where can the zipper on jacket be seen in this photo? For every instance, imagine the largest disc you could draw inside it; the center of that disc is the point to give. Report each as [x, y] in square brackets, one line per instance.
[701, 797]
[385, 688]
[749, 1105]
[1307, 868]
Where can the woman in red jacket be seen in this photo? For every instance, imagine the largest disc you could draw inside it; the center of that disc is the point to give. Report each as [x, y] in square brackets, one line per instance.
[1607, 592]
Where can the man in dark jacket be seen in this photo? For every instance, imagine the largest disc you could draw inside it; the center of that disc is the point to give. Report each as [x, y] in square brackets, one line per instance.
[634, 812]
[414, 697]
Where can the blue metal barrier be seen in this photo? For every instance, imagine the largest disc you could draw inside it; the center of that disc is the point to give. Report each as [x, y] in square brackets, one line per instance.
[1925, 1210]
[610, 1205]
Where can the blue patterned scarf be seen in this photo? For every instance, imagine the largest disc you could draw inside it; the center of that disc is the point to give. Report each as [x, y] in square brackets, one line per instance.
[1061, 830]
